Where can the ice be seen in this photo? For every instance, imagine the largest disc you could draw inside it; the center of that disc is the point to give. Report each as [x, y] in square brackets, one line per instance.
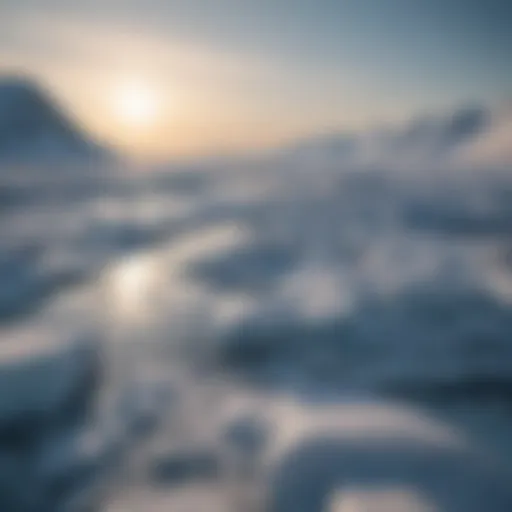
[216, 335]
[41, 370]
[49, 380]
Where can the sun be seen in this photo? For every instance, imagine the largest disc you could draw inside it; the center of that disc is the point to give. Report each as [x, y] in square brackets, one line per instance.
[136, 104]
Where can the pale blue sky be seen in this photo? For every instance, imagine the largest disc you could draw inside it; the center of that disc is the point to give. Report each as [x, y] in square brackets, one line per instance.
[250, 72]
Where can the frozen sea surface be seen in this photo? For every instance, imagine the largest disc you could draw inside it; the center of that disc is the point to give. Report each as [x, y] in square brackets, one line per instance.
[255, 337]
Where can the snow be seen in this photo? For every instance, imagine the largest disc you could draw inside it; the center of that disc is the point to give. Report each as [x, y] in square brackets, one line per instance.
[41, 369]
[379, 446]
[470, 136]
[259, 330]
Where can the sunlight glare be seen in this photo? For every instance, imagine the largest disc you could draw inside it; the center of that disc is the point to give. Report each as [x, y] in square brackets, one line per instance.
[131, 285]
[136, 104]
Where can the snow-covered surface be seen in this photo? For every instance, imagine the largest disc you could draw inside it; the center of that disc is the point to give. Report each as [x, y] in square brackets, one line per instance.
[40, 368]
[240, 326]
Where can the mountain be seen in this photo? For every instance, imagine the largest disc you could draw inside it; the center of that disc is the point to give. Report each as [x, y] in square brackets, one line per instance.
[493, 146]
[33, 125]
[469, 135]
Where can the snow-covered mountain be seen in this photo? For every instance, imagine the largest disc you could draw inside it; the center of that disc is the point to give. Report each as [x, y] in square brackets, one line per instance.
[469, 135]
[33, 125]
[494, 144]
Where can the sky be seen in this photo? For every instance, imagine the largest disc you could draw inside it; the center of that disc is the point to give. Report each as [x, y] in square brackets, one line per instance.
[208, 76]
